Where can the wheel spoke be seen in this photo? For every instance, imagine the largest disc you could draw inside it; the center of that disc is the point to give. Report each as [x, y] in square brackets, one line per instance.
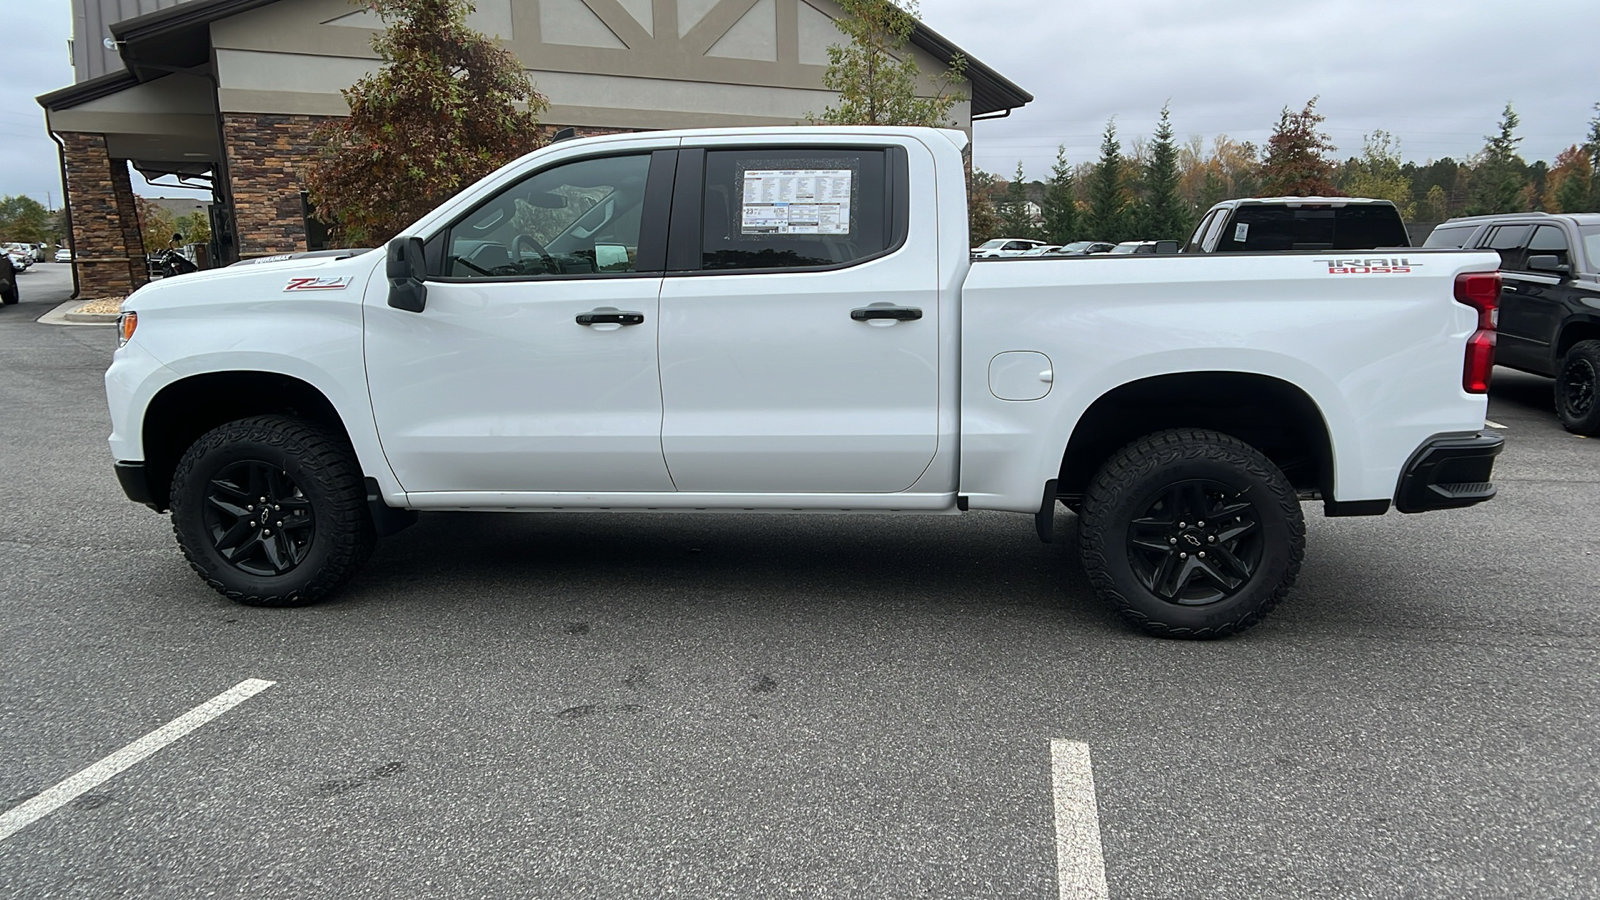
[246, 546]
[1237, 530]
[275, 557]
[233, 491]
[1227, 508]
[1237, 572]
[1163, 574]
[231, 541]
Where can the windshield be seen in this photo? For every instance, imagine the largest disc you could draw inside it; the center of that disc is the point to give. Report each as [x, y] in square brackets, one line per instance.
[1591, 245]
[1077, 246]
[1123, 249]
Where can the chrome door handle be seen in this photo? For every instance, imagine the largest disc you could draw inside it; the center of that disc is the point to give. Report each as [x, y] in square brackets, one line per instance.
[898, 313]
[610, 317]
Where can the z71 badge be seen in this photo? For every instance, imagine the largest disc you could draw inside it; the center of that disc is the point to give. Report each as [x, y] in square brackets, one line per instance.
[318, 284]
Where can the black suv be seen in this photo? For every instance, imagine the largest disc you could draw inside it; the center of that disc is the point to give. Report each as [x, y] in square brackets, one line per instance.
[1550, 305]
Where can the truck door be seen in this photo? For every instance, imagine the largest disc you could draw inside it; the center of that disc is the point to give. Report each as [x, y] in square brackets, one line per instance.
[1519, 343]
[800, 321]
[1538, 300]
[533, 366]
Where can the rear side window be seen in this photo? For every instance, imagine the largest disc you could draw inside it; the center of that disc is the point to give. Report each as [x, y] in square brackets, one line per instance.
[1450, 236]
[1511, 242]
[1549, 240]
[1197, 239]
[794, 208]
[1353, 227]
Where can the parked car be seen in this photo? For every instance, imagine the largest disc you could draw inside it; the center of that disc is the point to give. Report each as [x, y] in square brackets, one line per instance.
[1082, 248]
[1004, 247]
[21, 256]
[1550, 304]
[650, 351]
[1130, 247]
[8, 280]
[64, 255]
[1298, 223]
[1042, 250]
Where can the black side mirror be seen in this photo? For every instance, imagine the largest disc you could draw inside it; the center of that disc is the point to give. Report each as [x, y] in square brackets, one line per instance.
[405, 269]
[1166, 247]
[1548, 263]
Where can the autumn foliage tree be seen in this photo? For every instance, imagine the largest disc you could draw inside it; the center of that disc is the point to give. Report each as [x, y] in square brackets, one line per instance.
[448, 107]
[877, 77]
[1296, 165]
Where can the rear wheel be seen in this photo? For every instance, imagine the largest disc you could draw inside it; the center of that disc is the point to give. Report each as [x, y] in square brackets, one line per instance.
[1576, 378]
[9, 293]
[1191, 534]
[270, 511]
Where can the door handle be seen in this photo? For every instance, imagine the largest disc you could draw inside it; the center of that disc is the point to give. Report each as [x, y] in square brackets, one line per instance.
[1508, 288]
[610, 317]
[898, 313]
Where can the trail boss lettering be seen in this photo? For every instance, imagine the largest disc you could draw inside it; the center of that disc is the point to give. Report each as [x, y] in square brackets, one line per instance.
[1379, 265]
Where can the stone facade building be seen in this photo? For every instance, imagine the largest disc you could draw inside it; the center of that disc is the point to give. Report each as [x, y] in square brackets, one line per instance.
[227, 93]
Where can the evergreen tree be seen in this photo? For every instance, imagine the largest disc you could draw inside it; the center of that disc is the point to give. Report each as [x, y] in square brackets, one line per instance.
[1108, 193]
[876, 76]
[1500, 175]
[1295, 165]
[1060, 202]
[1162, 215]
[447, 107]
[1592, 146]
[1014, 218]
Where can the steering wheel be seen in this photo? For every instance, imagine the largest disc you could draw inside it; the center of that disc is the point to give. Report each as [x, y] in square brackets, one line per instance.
[516, 251]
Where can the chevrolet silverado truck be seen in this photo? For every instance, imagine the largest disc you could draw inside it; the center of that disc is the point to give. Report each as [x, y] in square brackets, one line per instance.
[788, 320]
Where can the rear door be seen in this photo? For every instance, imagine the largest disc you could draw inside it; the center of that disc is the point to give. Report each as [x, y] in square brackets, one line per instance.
[799, 336]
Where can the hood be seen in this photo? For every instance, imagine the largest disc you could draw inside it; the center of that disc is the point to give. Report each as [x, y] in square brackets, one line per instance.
[332, 274]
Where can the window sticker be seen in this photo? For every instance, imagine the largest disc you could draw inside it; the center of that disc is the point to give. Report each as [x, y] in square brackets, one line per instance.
[1240, 231]
[796, 201]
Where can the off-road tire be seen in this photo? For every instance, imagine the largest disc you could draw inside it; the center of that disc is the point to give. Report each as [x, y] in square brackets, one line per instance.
[1122, 525]
[10, 294]
[324, 486]
[1578, 388]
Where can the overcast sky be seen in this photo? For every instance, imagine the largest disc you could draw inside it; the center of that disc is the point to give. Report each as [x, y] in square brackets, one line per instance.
[1434, 73]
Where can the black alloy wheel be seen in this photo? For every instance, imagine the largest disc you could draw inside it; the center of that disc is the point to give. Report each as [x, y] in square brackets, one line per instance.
[1198, 542]
[1577, 382]
[1191, 533]
[259, 520]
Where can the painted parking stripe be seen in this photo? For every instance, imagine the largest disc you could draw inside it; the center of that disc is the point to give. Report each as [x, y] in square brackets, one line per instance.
[1492, 424]
[25, 814]
[1080, 865]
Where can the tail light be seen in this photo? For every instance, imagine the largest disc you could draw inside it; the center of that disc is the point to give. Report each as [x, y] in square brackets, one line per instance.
[1481, 291]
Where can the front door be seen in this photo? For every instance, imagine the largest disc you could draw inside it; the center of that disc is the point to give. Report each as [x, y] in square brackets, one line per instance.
[533, 366]
[799, 338]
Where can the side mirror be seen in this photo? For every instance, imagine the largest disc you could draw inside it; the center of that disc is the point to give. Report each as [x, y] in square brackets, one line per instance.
[1548, 263]
[1165, 247]
[405, 269]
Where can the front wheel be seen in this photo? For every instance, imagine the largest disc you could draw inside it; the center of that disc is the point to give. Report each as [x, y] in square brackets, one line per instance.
[1576, 377]
[1191, 534]
[270, 511]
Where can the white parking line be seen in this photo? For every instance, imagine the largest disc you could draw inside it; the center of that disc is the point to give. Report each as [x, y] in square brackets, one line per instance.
[1080, 866]
[1492, 424]
[25, 814]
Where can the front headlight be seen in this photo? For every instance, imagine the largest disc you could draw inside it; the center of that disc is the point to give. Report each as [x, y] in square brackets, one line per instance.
[126, 323]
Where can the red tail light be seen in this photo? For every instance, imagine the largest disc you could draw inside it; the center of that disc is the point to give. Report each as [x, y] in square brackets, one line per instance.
[1481, 291]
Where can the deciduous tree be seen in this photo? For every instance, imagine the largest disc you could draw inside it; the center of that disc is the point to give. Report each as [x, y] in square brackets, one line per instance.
[983, 220]
[447, 107]
[877, 77]
[24, 219]
[1296, 165]
[1377, 174]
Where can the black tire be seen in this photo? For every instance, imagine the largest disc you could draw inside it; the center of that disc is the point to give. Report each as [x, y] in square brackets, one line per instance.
[1144, 508]
[1578, 388]
[307, 475]
[9, 293]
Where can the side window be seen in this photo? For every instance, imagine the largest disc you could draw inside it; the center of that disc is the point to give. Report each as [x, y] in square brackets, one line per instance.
[1213, 239]
[794, 208]
[1018, 245]
[576, 218]
[1196, 240]
[1549, 240]
[1511, 241]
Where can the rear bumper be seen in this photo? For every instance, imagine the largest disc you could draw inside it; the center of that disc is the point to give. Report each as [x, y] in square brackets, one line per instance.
[1449, 471]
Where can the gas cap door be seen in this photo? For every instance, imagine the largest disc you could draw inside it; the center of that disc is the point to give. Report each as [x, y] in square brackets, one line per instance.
[1020, 375]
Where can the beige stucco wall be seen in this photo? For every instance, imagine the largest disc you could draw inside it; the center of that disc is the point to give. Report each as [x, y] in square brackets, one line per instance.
[666, 63]
[171, 118]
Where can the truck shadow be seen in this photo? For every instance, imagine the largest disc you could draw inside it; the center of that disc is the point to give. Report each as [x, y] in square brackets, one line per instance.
[983, 560]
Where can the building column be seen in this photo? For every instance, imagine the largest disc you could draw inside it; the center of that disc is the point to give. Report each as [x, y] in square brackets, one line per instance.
[267, 158]
[107, 246]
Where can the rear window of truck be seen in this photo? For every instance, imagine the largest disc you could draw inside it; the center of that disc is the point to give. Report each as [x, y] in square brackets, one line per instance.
[1353, 227]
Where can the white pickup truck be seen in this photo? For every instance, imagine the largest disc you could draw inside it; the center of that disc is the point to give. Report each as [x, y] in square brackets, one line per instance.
[787, 320]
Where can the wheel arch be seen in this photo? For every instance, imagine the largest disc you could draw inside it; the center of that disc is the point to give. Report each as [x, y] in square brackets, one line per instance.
[1574, 330]
[1275, 416]
[187, 408]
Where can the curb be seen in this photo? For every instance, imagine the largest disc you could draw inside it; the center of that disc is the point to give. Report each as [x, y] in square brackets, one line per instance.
[63, 315]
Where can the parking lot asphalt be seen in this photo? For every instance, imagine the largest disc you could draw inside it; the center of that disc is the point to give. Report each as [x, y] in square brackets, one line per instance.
[760, 706]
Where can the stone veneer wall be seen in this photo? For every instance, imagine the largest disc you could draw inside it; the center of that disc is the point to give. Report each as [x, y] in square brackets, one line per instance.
[267, 155]
[107, 247]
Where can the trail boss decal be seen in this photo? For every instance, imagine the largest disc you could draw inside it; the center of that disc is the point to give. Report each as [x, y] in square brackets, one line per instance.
[1378, 265]
[318, 284]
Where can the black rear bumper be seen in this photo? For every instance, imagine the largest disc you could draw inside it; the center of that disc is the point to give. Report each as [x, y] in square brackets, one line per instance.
[1449, 471]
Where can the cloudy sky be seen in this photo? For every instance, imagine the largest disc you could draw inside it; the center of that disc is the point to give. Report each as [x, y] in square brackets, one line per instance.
[1434, 73]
